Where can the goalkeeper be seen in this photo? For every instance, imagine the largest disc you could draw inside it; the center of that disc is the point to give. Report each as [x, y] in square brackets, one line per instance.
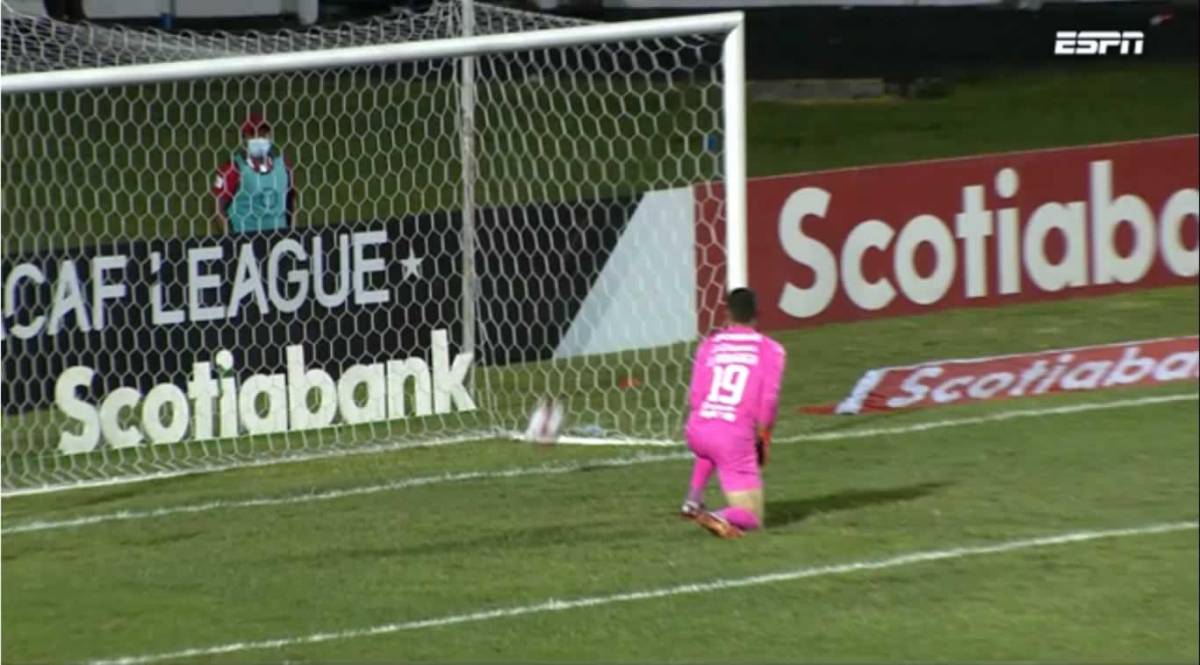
[734, 398]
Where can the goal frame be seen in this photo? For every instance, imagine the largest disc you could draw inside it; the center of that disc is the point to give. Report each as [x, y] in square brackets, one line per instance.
[729, 26]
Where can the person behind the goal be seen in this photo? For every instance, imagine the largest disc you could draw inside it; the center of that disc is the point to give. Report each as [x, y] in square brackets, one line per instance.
[734, 398]
[254, 190]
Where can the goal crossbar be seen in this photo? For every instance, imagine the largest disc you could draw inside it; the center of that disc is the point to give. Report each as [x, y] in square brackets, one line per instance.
[352, 56]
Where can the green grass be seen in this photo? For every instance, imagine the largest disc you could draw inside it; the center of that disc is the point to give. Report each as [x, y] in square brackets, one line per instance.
[993, 112]
[250, 573]
[86, 167]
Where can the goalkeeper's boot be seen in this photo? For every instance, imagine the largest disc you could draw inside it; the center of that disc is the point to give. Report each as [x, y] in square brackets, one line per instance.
[690, 510]
[718, 526]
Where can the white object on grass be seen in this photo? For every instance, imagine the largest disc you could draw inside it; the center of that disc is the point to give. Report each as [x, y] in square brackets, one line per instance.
[545, 423]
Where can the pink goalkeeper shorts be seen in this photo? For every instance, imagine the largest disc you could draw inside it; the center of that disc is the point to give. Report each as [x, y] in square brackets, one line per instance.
[732, 453]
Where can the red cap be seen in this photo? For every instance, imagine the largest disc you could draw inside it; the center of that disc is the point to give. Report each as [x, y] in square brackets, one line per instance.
[254, 122]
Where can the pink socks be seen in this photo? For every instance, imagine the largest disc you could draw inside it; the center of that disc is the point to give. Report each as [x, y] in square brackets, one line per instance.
[740, 517]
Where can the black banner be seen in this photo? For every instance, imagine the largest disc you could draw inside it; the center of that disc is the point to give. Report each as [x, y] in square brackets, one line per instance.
[142, 312]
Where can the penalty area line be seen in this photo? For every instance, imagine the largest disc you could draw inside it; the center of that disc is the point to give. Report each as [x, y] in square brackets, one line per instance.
[555, 605]
[546, 470]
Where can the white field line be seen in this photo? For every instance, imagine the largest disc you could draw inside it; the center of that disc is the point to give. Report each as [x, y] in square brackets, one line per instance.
[555, 605]
[994, 418]
[965, 158]
[248, 464]
[420, 481]
[124, 515]
[915, 427]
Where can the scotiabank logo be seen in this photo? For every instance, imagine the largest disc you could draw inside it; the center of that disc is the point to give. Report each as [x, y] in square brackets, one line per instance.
[979, 237]
[1089, 368]
[892, 240]
[299, 399]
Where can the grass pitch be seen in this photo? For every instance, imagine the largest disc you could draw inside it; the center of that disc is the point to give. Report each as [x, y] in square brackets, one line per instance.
[534, 524]
[329, 549]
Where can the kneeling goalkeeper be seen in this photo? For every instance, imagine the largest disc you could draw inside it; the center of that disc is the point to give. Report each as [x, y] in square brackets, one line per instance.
[734, 398]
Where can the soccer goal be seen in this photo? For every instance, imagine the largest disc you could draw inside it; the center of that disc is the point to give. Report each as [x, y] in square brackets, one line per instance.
[438, 231]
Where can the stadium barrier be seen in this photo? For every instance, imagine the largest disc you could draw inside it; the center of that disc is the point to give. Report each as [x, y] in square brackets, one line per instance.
[880, 241]
[900, 239]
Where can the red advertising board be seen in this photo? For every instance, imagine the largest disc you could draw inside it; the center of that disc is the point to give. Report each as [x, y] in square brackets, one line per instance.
[943, 382]
[1018, 227]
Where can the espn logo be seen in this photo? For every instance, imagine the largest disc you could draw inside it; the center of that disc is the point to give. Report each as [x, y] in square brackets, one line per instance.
[1098, 42]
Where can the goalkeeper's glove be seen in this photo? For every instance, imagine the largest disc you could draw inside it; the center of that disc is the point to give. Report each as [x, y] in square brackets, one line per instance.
[761, 444]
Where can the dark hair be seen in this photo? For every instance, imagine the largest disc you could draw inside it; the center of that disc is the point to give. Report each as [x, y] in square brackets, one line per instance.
[743, 306]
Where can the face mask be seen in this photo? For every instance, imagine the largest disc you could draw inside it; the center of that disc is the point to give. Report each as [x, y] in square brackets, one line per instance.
[258, 147]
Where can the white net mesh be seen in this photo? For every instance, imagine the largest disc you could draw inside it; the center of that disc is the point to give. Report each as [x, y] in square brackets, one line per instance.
[158, 318]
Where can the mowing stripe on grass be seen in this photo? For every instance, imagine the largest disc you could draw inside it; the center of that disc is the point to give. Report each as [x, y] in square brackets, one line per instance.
[546, 470]
[554, 605]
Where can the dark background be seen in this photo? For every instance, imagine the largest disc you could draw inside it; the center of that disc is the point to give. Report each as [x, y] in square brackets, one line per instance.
[894, 43]
[557, 250]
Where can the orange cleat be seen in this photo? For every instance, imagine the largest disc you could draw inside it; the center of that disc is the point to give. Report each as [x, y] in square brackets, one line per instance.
[718, 526]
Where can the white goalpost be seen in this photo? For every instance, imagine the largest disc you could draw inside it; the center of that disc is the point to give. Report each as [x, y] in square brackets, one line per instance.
[450, 228]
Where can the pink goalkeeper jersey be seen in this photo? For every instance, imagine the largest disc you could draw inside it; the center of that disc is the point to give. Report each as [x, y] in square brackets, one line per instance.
[735, 381]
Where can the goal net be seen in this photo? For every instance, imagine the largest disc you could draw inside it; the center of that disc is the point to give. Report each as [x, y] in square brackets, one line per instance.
[437, 232]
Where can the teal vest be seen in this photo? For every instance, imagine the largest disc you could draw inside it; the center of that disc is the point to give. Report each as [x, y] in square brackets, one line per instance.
[260, 203]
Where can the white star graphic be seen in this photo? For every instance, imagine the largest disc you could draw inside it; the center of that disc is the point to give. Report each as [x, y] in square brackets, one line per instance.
[412, 265]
